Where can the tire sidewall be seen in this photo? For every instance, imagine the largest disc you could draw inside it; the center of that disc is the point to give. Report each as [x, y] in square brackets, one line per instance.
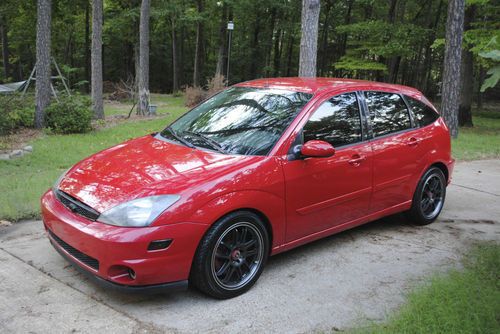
[206, 248]
[416, 213]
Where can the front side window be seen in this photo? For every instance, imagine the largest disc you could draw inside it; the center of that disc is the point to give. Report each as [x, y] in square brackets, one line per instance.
[239, 120]
[388, 113]
[337, 121]
[422, 113]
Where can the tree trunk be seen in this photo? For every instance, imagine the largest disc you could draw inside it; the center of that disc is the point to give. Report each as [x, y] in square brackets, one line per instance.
[42, 90]
[96, 59]
[198, 53]
[175, 65]
[143, 105]
[5, 47]
[291, 43]
[324, 39]
[464, 111]
[255, 49]
[451, 70]
[277, 53]
[219, 69]
[309, 38]
[87, 48]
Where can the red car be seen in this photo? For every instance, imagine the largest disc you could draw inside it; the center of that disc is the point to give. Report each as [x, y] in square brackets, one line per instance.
[260, 168]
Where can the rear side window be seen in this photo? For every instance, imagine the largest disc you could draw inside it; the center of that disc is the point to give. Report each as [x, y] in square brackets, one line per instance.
[337, 121]
[422, 113]
[388, 113]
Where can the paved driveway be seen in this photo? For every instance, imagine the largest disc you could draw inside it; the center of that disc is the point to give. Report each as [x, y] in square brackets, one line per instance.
[338, 282]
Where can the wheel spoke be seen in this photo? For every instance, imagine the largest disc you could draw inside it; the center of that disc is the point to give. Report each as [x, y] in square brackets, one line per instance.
[222, 256]
[248, 244]
[243, 235]
[228, 276]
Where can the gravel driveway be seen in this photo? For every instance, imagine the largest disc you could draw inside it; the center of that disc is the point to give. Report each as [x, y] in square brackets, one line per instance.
[335, 283]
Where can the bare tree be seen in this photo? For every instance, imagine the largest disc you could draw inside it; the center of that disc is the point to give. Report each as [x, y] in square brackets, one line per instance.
[96, 59]
[451, 71]
[309, 38]
[143, 104]
[42, 90]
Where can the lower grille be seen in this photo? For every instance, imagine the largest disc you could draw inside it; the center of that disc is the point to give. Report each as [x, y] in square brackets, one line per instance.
[82, 257]
[77, 206]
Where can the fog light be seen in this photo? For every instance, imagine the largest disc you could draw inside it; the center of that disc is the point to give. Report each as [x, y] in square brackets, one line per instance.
[159, 244]
[131, 273]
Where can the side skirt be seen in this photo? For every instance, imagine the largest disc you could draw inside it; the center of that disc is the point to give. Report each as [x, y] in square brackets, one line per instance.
[339, 228]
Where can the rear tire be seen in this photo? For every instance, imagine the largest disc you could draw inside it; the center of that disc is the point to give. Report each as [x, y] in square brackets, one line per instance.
[428, 200]
[231, 256]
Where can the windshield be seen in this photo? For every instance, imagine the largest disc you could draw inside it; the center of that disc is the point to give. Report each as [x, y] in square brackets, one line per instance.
[239, 120]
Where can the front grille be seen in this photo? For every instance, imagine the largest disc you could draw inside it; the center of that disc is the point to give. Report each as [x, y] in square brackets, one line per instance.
[77, 206]
[82, 257]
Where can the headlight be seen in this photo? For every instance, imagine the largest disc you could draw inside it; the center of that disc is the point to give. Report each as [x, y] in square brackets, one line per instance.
[139, 212]
[56, 185]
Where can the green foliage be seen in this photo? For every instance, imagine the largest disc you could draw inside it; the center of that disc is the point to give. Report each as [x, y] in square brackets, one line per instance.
[69, 115]
[16, 111]
[355, 64]
[494, 57]
[461, 301]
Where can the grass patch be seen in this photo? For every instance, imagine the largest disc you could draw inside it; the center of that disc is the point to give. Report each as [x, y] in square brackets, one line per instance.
[24, 180]
[481, 141]
[461, 301]
[165, 104]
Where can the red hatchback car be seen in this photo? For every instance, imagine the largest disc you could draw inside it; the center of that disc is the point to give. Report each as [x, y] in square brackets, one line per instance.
[260, 168]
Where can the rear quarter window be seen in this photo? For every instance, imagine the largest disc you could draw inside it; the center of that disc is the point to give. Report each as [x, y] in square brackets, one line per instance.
[422, 114]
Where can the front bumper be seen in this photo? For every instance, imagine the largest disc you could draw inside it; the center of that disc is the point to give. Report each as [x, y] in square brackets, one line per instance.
[106, 252]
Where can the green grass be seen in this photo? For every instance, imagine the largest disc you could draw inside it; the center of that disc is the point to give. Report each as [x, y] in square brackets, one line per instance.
[24, 180]
[481, 141]
[165, 104]
[461, 301]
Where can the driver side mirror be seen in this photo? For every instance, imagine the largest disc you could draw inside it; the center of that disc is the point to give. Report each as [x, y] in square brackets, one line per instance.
[317, 149]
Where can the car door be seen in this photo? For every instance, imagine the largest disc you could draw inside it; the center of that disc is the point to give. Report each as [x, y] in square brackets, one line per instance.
[395, 149]
[325, 192]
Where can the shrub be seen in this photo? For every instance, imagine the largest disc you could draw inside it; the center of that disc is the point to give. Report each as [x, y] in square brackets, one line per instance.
[216, 84]
[15, 111]
[70, 115]
[194, 95]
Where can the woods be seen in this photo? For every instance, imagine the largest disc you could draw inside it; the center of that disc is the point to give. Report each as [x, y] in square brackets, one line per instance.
[166, 45]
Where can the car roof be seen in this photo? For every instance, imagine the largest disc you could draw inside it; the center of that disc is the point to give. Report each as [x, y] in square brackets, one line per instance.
[315, 85]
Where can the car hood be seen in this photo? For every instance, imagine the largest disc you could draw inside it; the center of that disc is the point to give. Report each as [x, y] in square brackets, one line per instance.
[142, 167]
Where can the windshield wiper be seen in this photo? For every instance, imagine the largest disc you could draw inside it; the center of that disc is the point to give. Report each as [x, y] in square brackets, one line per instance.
[215, 145]
[179, 138]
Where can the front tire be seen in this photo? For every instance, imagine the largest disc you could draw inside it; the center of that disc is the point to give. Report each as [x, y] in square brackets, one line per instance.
[231, 256]
[429, 197]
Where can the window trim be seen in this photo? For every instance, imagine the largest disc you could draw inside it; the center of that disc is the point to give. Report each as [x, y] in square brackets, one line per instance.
[412, 114]
[369, 119]
[360, 114]
[299, 139]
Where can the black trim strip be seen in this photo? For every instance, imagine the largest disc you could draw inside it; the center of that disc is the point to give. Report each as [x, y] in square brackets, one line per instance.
[76, 206]
[140, 289]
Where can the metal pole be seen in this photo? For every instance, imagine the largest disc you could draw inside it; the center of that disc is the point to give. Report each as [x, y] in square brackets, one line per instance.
[228, 56]
[230, 27]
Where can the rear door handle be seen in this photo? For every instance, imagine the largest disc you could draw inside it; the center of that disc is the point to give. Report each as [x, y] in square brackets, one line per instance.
[356, 159]
[412, 141]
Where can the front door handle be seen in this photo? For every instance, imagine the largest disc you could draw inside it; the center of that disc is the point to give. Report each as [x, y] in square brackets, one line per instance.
[356, 160]
[412, 141]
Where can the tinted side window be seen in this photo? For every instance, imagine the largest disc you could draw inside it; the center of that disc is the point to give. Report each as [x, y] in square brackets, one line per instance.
[336, 121]
[422, 113]
[388, 113]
